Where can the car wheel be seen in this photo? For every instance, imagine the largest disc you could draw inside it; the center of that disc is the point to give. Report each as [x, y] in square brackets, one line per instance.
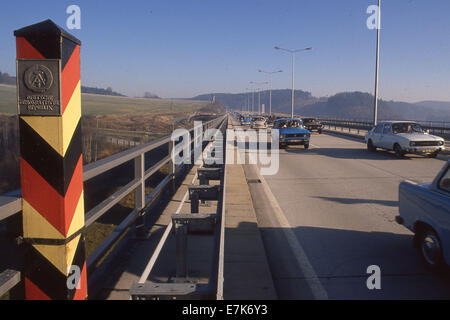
[282, 146]
[306, 146]
[433, 155]
[320, 131]
[370, 146]
[430, 250]
[398, 151]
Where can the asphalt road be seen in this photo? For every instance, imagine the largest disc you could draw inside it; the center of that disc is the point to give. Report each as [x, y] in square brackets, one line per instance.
[328, 214]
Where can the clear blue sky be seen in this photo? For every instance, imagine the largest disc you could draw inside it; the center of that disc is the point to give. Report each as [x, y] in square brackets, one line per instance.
[189, 47]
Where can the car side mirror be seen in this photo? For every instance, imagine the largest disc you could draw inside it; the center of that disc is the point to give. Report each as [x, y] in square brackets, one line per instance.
[446, 183]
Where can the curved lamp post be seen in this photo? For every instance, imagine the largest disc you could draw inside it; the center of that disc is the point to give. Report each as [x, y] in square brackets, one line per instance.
[270, 73]
[293, 52]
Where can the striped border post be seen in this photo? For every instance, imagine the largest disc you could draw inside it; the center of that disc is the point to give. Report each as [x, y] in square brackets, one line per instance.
[49, 107]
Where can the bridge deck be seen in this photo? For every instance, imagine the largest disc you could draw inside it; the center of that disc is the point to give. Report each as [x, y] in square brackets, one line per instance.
[334, 217]
[247, 274]
[246, 270]
[135, 259]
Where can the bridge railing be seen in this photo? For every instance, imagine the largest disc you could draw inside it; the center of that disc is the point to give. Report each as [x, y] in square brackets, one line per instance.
[181, 289]
[11, 203]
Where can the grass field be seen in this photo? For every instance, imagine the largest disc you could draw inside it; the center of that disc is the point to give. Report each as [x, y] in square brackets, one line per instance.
[92, 104]
[8, 100]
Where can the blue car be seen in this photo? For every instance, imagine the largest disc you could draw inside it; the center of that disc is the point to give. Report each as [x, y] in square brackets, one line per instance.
[246, 121]
[425, 210]
[292, 132]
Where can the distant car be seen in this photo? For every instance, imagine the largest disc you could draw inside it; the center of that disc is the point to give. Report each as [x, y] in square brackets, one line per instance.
[270, 120]
[425, 210]
[258, 122]
[292, 132]
[404, 137]
[312, 124]
[246, 120]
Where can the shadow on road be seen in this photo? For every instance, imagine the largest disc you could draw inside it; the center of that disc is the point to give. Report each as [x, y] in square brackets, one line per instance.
[346, 153]
[340, 259]
[359, 201]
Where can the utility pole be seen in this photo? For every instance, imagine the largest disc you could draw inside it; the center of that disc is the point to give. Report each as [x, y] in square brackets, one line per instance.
[270, 86]
[293, 52]
[375, 111]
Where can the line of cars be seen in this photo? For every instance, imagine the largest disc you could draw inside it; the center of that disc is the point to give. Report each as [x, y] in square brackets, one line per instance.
[424, 208]
[292, 131]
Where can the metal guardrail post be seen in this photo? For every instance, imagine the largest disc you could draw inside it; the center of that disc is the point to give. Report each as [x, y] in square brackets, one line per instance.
[49, 106]
[172, 164]
[8, 280]
[139, 196]
[194, 202]
[181, 240]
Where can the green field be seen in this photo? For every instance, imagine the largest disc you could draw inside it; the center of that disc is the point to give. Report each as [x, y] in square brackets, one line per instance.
[8, 100]
[103, 105]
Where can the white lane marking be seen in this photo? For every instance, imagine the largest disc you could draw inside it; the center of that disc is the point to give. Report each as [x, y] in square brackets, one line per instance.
[311, 277]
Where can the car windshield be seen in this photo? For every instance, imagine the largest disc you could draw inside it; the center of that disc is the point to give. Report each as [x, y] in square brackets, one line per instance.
[406, 128]
[309, 120]
[290, 124]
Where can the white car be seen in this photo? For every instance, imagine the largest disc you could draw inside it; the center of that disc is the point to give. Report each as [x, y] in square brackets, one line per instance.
[425, 210]
[404, 137]
[259, 122]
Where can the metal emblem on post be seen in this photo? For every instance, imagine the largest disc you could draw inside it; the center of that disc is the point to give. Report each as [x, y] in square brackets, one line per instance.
[38, 86]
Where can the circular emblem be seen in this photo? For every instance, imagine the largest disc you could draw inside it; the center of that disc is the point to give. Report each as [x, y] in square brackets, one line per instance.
[38, 78]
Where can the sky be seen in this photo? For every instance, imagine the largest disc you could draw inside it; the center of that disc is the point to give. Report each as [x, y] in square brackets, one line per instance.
[184, 48]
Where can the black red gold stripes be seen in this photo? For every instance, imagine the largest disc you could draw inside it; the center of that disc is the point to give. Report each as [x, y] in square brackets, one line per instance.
[46, 160]
[51, 173]
[41, 270]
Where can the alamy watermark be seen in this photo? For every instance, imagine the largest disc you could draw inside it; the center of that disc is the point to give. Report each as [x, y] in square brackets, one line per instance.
[372, 20]
[74, 19]
[74, 276]
[374, 280]
[248, 144]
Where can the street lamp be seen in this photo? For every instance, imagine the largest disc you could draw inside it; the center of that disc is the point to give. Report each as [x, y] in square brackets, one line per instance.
[248, 99]
[293, 52]
[253, 100]
[259, 94]
[375, 111]
[270, 90]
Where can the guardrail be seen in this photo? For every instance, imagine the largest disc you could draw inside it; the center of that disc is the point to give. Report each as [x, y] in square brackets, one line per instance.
[181, 223]
[11, 203]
